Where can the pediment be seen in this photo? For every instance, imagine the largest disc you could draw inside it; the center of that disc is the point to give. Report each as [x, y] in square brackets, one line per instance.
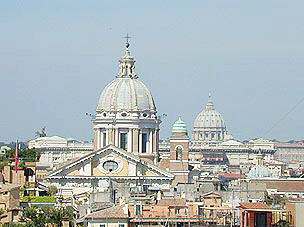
[110, 161]
[211, 195]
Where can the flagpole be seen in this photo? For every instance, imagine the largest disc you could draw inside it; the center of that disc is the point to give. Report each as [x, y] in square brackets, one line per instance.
[16, 158]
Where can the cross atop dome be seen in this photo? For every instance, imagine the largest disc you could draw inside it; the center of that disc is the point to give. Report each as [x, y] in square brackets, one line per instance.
[127, 37]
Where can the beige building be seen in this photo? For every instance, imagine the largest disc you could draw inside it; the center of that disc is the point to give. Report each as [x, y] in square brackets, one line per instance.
[117, 216]
[296, 210]
[9, 202]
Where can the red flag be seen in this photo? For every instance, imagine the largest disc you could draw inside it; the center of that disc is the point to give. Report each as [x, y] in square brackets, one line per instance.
[16, 157]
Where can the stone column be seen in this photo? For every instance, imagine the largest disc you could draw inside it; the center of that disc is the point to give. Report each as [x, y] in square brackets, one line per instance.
[95, 139]
[102, 142]
[135, 140]
[150, 141]
[130, 140]
[140, 142]
[112, 136]
[154, 141]
[157, 141]
[116, 137]
[98, 139]
[108, 136]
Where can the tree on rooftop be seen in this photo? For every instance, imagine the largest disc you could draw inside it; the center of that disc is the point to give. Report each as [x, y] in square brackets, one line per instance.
[52, 190]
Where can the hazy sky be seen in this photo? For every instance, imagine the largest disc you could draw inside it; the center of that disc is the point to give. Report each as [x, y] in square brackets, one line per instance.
[57, 56]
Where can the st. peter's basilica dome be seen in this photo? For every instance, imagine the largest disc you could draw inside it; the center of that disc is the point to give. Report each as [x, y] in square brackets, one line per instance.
[209, 125]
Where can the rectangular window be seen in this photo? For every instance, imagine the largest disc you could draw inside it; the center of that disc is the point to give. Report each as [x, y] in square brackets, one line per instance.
[102, 225]
[138, 209]
[144, 142]
[121, 225]
[123, 140]
[201, 211]
[177, 211]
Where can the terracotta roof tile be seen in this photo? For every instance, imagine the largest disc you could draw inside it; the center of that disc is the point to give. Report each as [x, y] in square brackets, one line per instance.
[287, 185]
[112, 212]
[232, 175]
[254, 206]
[172, 202]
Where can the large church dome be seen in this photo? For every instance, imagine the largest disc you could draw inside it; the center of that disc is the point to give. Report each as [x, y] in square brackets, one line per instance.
[209, 126]
[126, 92]
[126, 115]
[209, 117]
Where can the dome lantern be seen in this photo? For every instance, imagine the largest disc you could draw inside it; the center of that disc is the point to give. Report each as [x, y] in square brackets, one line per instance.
[127, 64]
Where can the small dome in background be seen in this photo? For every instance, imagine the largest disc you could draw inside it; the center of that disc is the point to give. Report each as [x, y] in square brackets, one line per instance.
[71, 139]
[179, 126]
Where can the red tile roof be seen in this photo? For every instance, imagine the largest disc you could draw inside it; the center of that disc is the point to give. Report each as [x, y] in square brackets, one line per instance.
[172, 202]
[254, 206]
[113, 212]
[231, 175]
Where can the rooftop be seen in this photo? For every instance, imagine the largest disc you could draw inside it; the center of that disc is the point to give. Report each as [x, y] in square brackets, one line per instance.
[247, 205]
[112, 212]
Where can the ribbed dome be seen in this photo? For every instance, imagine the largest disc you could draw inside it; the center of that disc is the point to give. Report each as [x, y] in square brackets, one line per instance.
[179, 126]
[127, 92]
[209, 118]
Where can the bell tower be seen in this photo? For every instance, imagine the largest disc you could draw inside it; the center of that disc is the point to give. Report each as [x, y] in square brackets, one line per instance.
[179, 152]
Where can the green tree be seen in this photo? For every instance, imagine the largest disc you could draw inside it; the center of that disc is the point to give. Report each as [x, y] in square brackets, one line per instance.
[35, 217]
[3, 163]
[62, 213]
[26, 155]
[52, 190]
[38, 217]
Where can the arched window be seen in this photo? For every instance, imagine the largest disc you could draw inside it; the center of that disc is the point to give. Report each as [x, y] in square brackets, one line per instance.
[179, 152]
